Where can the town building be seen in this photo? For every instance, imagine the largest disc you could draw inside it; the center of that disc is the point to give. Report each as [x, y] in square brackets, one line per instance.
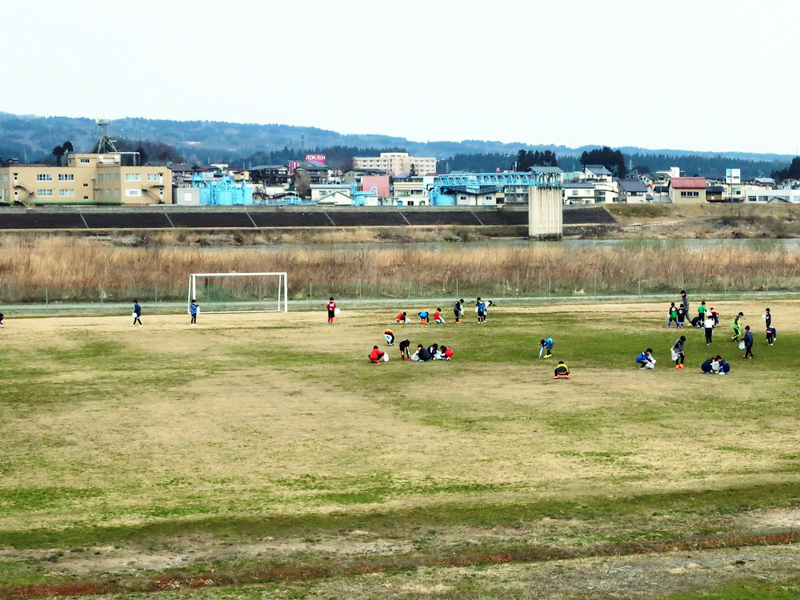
[86, 179]
[395, 163]
[687, 190]
[633, 191]
[578, 193]
[333, 193]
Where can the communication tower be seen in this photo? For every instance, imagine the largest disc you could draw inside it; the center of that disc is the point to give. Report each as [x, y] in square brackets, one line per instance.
[105, 144]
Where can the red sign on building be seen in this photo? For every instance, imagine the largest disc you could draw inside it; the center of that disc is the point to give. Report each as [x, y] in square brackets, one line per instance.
[293, 164]
[316, 158]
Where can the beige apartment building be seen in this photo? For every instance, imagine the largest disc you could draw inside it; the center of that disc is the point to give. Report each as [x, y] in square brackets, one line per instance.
[86, 179]
[395, 163]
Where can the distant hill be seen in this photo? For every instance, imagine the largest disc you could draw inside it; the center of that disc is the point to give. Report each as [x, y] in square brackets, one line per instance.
[31, 138]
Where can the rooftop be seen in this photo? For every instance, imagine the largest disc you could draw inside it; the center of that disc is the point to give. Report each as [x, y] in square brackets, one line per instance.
[687, 183]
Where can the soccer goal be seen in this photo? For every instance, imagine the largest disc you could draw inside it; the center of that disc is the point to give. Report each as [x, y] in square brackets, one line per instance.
[218, 293]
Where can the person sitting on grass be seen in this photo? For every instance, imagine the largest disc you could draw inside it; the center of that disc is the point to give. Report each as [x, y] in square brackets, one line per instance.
[388, 335]
[677, 352]
[771, 333]
[715, 366]
[376, 355]
[546, 348]
[421, 355]
[443, 353]
[561, 371]
[403, 318]
[423, 317]
[437, 316]
[645, 360]
[404, 353]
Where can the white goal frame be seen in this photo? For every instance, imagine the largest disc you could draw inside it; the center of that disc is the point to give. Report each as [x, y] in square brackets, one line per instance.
[283, 292]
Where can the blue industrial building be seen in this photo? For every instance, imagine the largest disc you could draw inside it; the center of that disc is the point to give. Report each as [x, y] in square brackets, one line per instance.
[221, 191]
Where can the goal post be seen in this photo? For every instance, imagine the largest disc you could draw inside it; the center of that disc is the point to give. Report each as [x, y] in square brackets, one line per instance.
[219, 293]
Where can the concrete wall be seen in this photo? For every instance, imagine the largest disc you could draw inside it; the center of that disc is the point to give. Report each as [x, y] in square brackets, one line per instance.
[545, 213]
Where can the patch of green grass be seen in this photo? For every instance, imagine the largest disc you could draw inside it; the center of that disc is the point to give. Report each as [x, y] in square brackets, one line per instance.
[749, 589]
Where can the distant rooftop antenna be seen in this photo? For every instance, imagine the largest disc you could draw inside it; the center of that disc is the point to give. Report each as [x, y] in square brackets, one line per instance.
[105, 144]
[302, 142]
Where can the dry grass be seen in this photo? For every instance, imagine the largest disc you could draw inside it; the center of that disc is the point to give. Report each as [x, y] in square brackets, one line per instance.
[71, 268]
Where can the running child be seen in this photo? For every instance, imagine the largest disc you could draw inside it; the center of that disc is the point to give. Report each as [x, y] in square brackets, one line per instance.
[404, 353]
[437, 316]
[546, 348]
[376, 355]
[561, 371]
[737, 327]
[677, 352]
[645, 360]
[194, 308]
[331, 306]
[388, 335]
[137, 314]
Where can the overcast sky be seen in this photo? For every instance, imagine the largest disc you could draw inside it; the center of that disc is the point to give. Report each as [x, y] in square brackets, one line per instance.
[684, 74]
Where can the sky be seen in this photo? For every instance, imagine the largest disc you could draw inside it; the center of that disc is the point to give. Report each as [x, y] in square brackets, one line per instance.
[706, 75]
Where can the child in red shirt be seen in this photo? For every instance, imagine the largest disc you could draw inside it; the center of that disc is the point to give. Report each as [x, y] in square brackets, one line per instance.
[437, 316]
[331, 311]
[376, 355]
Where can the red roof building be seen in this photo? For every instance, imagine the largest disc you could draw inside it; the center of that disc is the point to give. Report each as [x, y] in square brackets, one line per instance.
[687, 190]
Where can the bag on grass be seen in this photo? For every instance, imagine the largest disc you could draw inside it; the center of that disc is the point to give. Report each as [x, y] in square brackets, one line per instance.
[386, 357]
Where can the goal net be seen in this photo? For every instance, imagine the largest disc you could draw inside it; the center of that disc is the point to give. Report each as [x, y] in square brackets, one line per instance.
[239, 292]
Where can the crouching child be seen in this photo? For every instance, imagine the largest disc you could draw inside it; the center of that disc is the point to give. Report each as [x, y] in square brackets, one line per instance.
[561, 371]
[645, 360]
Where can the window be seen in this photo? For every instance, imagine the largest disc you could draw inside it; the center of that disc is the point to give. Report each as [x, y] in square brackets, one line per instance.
[116, 176]
[133, 193]
[66, 193]
[154, 177]
[66, 177]
[100, 177]
[44, 177]
[133, 177]
[44, 193]
[85, 161]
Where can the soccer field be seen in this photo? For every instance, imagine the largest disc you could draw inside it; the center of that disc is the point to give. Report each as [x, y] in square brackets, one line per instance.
[250, 446]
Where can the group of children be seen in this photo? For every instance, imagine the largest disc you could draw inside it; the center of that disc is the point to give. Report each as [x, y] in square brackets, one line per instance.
[708, 319]
[421, 354]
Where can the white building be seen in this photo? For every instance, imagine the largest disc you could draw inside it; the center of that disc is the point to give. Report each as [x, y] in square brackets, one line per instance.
[578, 193]
[395, 163]
[763, 195]
[320, 191]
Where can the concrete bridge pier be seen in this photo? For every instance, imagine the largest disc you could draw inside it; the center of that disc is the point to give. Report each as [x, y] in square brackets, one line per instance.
[545, 213]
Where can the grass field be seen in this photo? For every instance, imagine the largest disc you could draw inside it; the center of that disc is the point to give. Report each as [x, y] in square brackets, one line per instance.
[260, 456]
